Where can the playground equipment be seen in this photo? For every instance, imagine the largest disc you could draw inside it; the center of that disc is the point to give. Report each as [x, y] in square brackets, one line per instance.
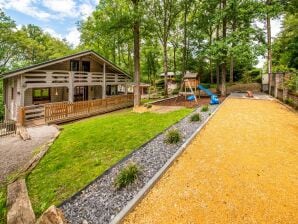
[213, 97]
[189, 86]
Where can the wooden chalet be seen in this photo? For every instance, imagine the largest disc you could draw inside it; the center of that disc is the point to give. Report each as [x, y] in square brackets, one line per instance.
[67, 88]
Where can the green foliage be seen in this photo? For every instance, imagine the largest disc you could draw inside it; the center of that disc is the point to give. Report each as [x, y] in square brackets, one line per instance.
[127, 176]
[172, 136]
[254, 75]
[26, 46]
[205, 108]
[176, 91]
[85, 149]
[285, 46]
[195, 117]
[292, 82]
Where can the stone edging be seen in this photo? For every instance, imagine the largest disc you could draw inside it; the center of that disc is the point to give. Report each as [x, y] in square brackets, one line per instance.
[143, 192]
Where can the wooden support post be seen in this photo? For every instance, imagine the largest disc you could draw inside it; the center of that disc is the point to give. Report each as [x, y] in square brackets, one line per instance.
[104, 82]
[70, 87]
[125, 86]
[21, 118]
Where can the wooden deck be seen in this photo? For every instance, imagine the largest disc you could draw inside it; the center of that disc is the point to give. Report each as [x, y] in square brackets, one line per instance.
[55, 113]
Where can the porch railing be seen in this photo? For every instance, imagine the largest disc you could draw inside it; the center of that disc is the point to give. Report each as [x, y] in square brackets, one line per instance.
[66, 111]
[7, 128]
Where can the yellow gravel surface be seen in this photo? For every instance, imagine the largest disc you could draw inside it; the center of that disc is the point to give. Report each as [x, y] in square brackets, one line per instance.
[241, 168]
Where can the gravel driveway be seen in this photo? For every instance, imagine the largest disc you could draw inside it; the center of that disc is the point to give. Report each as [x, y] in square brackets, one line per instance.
[242, 168]
[14, 152]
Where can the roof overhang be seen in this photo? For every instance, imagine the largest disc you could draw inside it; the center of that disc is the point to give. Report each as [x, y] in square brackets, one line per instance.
[58, 60]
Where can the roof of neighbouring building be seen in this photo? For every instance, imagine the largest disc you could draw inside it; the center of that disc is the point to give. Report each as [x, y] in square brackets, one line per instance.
[170, 74]
[190, 75]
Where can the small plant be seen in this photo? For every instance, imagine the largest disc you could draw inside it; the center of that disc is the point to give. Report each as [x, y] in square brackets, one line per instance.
[173, 137]
[205, 108]
[195, 117]
[127, 176]
[149, 106]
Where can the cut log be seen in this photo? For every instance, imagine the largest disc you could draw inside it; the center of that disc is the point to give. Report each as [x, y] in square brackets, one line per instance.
[52, 215]
[18, 204]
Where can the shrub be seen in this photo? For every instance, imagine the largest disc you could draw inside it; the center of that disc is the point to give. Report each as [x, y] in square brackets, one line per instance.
[173, 137]
[127, 176]
[195, 117]
[205, 108]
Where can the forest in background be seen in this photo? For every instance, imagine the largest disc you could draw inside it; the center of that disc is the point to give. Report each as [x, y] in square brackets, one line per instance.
[219, 39]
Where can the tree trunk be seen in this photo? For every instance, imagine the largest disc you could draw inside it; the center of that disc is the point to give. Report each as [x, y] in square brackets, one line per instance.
[232, 69]
[136, 37]
[174, 61]
[223, 67]
[210, 59]
[269, 56]
[185, 37]
[165, 67]
[217, 77]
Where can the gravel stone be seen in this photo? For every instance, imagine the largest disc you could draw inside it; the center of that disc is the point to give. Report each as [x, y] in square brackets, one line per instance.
[100, 202]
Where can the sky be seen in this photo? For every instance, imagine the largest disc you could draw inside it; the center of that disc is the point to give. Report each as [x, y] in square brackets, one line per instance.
[59, 17]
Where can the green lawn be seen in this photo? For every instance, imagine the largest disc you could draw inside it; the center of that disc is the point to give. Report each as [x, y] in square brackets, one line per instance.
[85, 149]
[2, 204]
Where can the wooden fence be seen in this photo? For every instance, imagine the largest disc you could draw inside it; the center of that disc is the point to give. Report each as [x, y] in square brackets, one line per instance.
[7, 128]
[66, 111]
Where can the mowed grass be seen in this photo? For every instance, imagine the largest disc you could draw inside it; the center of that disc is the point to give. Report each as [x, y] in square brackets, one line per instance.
[85, 149]
[2, 204]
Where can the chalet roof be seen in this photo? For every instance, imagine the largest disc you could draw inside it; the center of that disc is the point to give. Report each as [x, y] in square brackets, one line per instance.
[190, 75]
[58, 60]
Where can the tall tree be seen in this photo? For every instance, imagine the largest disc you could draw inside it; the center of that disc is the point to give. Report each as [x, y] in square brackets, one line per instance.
[223, 65]
[164, 14]
[136, 36]
[269, 47]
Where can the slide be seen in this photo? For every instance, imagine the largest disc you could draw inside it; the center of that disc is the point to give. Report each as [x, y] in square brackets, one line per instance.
[213, 97]
[207, 91]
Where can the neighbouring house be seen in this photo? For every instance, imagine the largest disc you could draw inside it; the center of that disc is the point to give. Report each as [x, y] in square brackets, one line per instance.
[172, 78]
[144, 89]
[170, 75]
[77, 85]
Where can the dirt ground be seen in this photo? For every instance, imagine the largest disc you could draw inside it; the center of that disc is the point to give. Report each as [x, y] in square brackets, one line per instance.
[241, 168]
[181, 101]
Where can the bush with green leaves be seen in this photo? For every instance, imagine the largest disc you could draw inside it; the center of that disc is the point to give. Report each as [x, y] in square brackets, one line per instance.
[173, 136]
[127, 175]
[205, 108]
[195, 117]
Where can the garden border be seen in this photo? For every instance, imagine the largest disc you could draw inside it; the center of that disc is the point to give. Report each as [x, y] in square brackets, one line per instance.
[117, 163]
[143, 192]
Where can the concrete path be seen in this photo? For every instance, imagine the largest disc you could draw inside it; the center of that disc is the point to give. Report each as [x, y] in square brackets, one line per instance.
[14, 152]
[242, 168]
